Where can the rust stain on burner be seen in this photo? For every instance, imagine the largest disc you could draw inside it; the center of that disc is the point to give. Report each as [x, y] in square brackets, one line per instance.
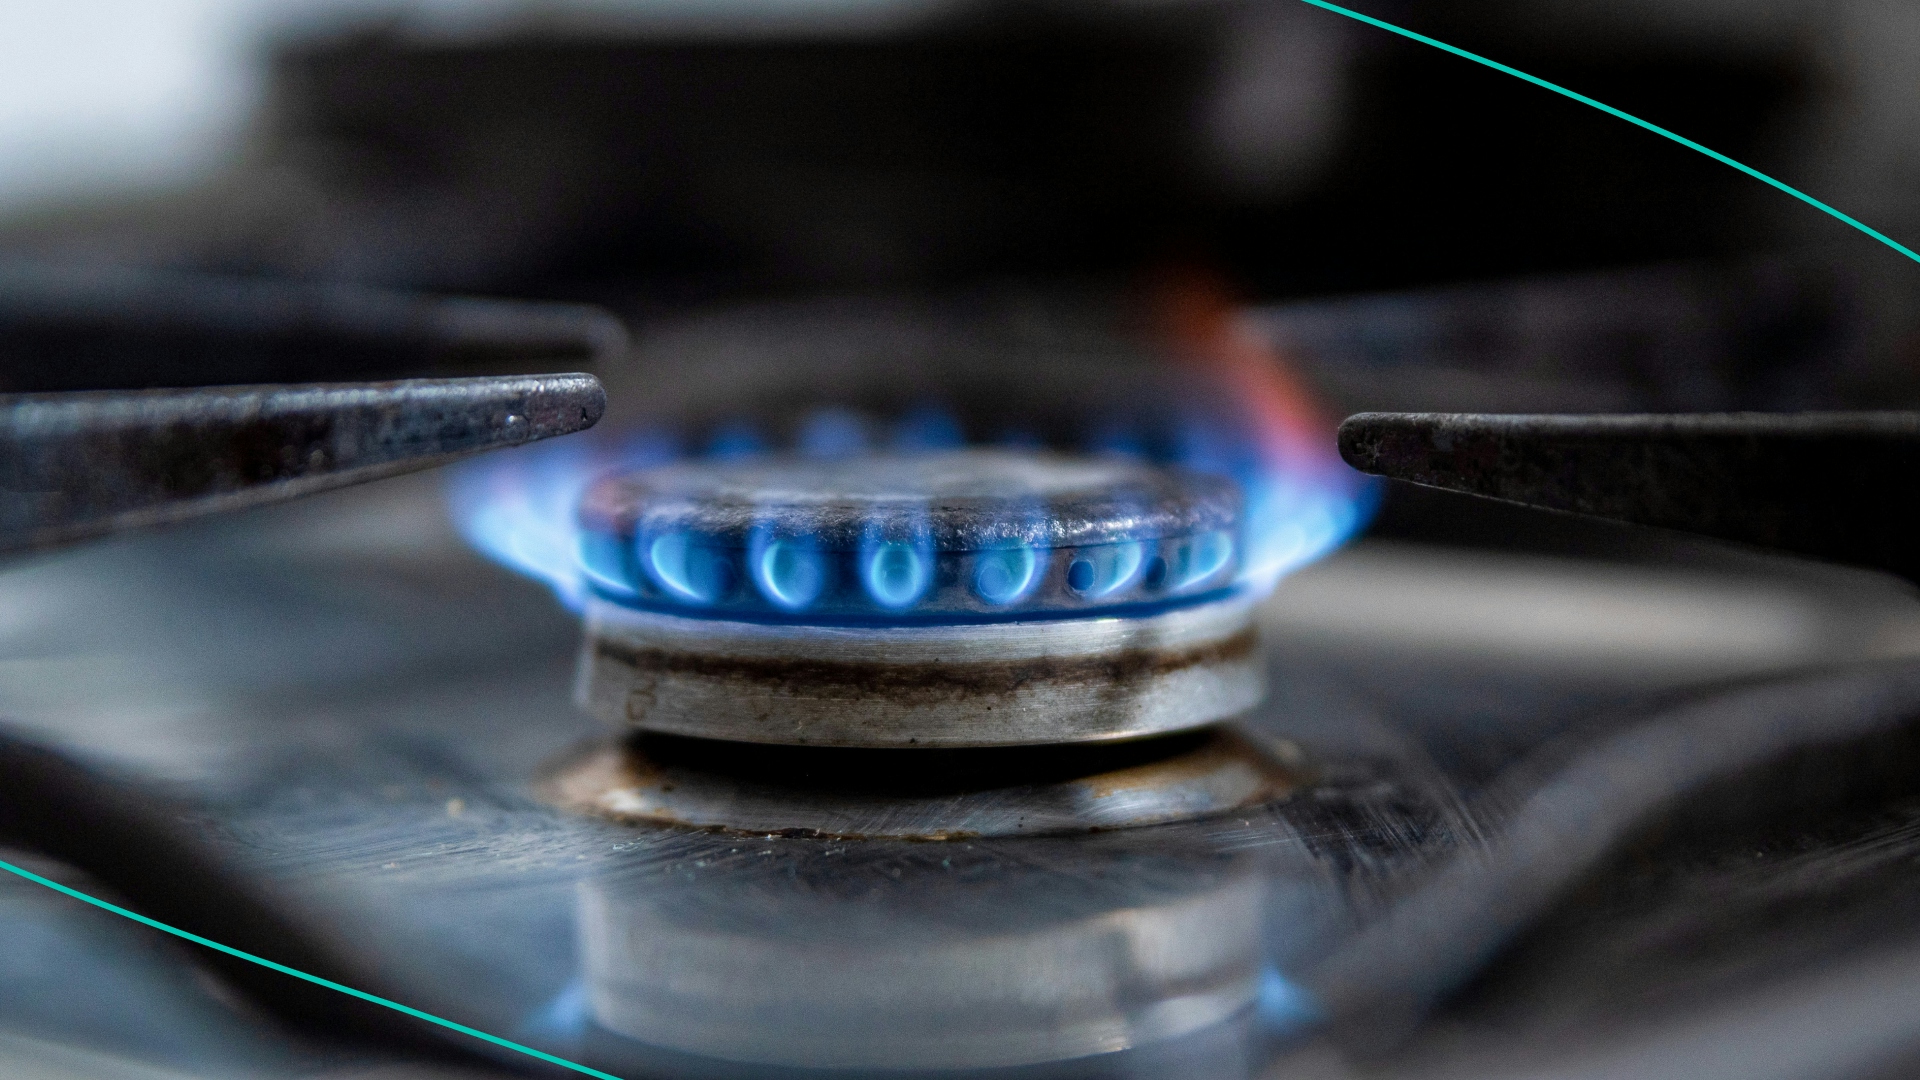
[931, 681]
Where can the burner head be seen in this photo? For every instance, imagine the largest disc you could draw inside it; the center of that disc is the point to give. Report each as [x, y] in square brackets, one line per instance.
[964, 536]
[967, 598]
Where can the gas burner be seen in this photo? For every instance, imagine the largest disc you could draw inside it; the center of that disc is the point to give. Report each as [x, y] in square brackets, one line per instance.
[966, 598]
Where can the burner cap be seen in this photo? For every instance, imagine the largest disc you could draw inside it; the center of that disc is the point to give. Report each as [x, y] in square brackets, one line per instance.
[964, 536]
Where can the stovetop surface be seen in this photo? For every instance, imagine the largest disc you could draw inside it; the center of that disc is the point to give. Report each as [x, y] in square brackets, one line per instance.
[353, 708]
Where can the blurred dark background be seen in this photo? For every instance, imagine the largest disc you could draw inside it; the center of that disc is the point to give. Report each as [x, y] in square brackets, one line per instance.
[1420, 232]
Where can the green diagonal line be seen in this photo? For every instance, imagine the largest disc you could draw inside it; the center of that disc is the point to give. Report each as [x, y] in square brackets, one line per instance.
[1628, 117]
[315, 979]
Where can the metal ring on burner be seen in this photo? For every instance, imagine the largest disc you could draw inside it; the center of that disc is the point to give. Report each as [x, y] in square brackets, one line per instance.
[947, 685]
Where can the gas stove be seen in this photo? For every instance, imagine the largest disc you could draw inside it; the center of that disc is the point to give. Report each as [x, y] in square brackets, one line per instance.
[893, 596]
[861, 697]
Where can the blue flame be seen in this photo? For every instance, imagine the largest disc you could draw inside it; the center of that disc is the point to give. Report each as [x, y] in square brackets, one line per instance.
[1299, 502]
[1291, 522]
[518, 506]
[791, 573]
[684, 568]
[896, 574]
[1105, 569]
[1199, 559]
[604, 560]
[1006, 575]
[1295, 508]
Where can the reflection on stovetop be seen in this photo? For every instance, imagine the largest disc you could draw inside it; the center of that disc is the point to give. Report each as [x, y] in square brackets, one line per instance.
[356, 709]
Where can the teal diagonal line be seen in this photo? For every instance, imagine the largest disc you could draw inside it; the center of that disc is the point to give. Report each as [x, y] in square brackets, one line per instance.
[315, 979]
[1628, 117]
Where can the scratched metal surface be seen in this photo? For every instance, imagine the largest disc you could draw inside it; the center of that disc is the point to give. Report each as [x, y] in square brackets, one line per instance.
[83, 464]
[356, 709]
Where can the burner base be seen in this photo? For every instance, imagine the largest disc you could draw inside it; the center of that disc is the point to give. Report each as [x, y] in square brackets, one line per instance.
[923, 794]
[968, 685]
